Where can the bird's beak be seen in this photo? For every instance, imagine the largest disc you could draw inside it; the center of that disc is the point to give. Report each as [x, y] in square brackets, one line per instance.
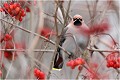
[77, 22]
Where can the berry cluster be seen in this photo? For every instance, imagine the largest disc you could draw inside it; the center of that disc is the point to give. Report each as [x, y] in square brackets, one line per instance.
[76, 62]
[113, 60]
[15, 10]
[39, 74]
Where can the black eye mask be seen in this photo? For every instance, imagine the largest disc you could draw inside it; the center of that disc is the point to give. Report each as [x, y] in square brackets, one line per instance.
[77, 22]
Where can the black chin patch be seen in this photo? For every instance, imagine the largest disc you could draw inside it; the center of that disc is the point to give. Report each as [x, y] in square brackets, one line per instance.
[77, 23]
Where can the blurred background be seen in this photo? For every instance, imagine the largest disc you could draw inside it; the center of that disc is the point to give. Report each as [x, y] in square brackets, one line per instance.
[47, 18]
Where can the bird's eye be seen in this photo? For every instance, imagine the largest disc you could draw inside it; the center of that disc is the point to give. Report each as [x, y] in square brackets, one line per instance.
[80, 19]
[74, 19]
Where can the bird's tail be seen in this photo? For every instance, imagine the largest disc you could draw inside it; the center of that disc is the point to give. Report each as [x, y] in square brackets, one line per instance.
[58, 62]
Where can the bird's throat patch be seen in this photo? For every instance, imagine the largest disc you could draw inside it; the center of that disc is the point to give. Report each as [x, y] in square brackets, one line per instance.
[77, 23]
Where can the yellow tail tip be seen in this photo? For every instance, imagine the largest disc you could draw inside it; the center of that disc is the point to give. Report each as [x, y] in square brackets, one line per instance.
[56, 69]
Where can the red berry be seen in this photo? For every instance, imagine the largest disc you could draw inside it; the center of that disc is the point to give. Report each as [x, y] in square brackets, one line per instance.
[46, 32]
[111, 64]
[80, 61]
[73, 67]
[72, 63]
[7, 37]
[15, 5]
[27, 9]
[68, 63]
[6, 5]
[35, 70]
[11, 7]
[22, 11]
[37, 73]
[7, 54]
[42, 75]
[77, 62]
[114, 61]
[17, 9]
[20, 19]
[23, 14]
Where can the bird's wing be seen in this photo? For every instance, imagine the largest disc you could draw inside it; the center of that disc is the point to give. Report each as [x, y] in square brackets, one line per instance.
[62, 38]
[64, 31]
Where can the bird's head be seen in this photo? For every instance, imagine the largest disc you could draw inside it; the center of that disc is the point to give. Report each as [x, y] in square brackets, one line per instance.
[77, 20]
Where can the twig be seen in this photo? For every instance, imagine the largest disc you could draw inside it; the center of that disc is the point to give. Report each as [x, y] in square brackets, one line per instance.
[104, 11]
[67, 13]
[105, 43]
[53, 16]
[62, 9]
[77, 78]
[94, 11]
[108, 35]
[24, 50]
[98, 50]
[88, 6]
[90, 71]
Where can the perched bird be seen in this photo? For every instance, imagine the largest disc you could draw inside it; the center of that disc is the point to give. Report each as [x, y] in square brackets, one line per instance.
[73, 40]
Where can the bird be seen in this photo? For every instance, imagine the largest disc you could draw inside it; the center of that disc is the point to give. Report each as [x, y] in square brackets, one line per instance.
[73, 39]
